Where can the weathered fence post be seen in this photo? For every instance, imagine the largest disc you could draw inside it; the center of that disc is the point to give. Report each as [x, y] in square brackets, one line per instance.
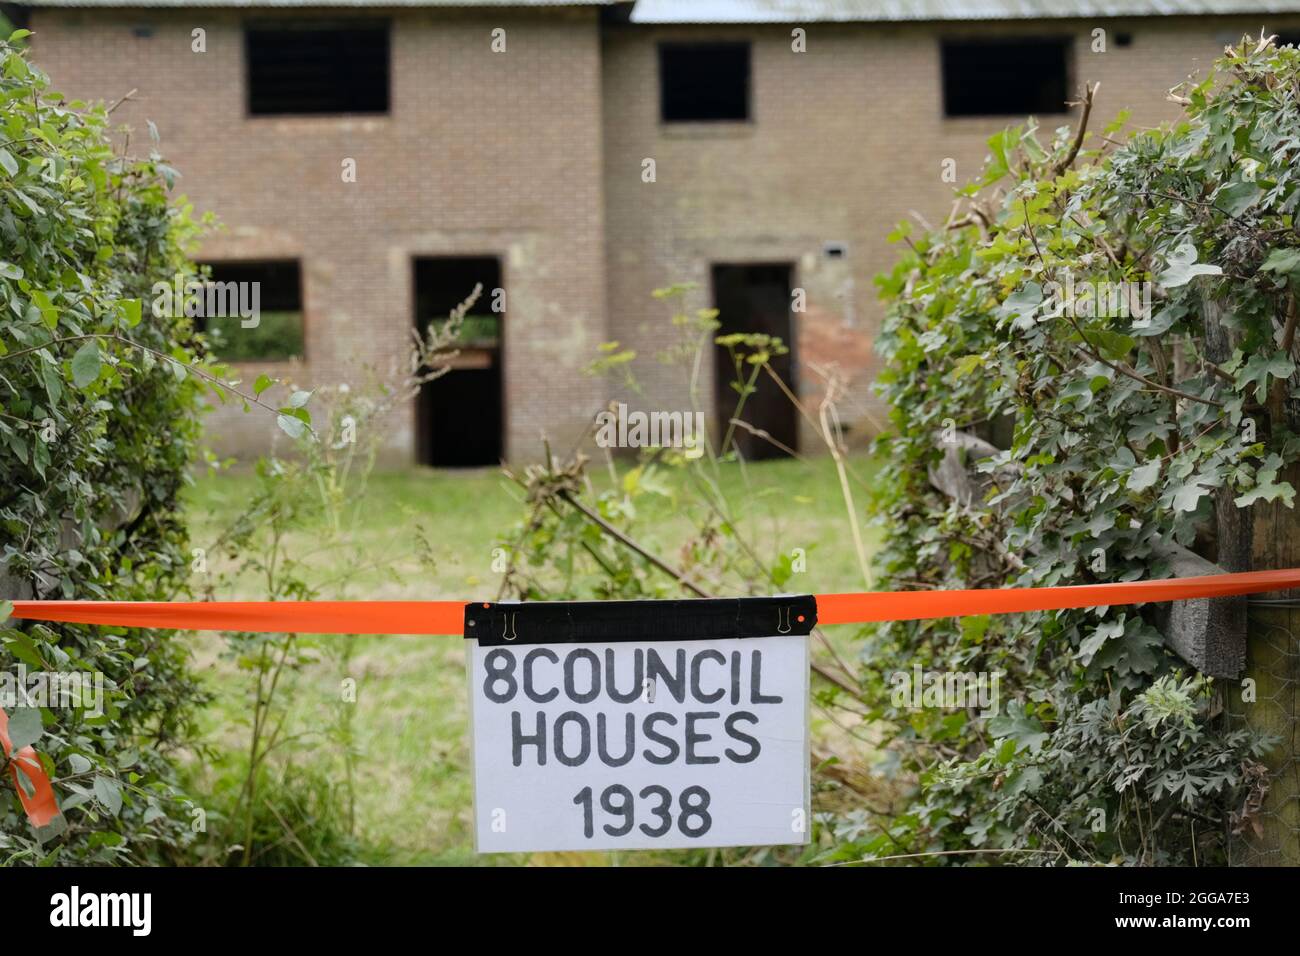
[1267, 699]
[1266, 830]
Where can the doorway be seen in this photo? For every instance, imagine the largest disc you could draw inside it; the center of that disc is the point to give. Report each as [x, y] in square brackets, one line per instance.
[460, 415]
[749, 299]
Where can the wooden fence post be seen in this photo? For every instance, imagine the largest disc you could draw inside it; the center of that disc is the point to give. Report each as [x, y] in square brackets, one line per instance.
[1264, 537]
[1268, 698]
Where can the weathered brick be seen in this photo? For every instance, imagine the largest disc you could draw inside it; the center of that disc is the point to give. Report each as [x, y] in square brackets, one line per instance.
[535, 155]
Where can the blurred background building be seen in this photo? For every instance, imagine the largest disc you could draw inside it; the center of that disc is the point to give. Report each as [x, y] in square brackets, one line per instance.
[507, 144]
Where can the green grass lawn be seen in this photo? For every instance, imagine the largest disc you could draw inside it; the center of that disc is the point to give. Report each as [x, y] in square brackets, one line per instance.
[414, 795]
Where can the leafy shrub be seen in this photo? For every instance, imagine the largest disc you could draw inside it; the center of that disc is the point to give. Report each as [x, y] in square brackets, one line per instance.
[287, 794]
[98, 421]
[1121, 431]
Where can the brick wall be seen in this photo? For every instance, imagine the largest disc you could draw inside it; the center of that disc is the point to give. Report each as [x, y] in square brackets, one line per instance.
[846, 140]
[536, 155]
[482, 153]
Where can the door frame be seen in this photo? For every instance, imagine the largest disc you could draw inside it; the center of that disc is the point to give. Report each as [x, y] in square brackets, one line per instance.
[422, 446]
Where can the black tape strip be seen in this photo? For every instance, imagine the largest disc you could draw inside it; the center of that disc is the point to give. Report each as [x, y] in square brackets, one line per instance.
[573, 622]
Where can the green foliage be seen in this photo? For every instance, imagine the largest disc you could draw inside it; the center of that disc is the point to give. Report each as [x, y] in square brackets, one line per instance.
[98, 421]
[271, 797]
[302, 819]
[277, 336]
[482, 330]
[566, 548]
[288, 795]
[1120, 431]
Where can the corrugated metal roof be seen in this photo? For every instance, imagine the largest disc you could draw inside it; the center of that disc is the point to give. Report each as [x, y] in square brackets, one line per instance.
[305, 4]
[846, 11]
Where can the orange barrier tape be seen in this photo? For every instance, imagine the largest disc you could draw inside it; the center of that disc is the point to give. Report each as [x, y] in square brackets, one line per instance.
[448, 618]
[918, 605]
[40, 807]
[287, 617]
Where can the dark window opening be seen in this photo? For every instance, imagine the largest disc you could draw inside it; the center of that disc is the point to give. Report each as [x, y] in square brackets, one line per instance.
[459, 415]
[314, 67]
[1009, 77]
[749, 299]
[251, 311]
[703, 82]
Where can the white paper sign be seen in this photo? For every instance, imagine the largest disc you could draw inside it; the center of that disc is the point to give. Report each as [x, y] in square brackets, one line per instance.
[648, 745]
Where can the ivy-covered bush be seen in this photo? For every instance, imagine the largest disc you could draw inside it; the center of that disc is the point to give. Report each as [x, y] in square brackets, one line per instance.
[98, 423]
[1119, 428]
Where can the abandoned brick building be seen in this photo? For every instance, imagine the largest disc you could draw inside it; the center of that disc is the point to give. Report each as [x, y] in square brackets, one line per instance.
[505, 142]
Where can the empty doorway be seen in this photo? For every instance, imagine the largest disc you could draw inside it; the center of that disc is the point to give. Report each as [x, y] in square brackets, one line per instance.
[459, 416]
[756, 299]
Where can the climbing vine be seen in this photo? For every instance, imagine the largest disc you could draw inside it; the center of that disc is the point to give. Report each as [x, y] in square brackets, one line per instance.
[1115, 317]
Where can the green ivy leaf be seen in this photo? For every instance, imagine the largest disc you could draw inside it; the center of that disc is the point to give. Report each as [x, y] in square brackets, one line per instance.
[1268, 491]
[1135, 652]
[1282, 261]
[293, 427]
[1105, 631]
[133, 311]
[1267, 487]
[1183, 267]
[1260, 368]
[109, 793]
[1026, 731]
[86, 364]
[1023, 305]
[1235, 198]
[1144, 476]
[49, 314]
[966, 365]
[79, 763]
[1188, 496]
[25, 727]
[1112, 345]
